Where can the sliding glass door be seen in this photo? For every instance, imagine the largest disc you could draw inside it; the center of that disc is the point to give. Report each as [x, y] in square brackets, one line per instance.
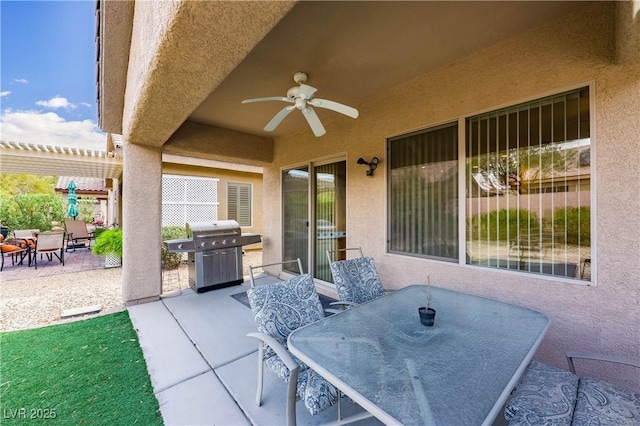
[314, 213]
[295, 214]
[330, 214]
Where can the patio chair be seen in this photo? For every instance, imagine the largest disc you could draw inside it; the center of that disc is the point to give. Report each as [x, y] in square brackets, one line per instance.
[26, 237]
[356, 280]
[77, 233]
[279, 309]
[550, 395]
[50, 244]
[16, 252]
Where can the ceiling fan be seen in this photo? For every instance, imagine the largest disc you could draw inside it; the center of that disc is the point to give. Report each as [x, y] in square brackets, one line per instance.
[301, 97]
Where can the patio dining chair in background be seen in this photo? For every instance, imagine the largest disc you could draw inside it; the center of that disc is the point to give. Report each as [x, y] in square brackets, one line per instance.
[77, 233]
[279, 309]
[356, 280]
[26, 237]
[50, 244]
[17, 254]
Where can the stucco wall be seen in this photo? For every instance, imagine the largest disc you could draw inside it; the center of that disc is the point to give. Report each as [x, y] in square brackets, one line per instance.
[225, 177]
[573, 52]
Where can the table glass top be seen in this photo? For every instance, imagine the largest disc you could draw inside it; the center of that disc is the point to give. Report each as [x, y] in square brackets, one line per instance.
[453, 372]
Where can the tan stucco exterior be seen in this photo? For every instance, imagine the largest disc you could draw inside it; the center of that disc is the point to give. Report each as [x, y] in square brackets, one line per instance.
[604, 317]
[226, 176]
[597, 46]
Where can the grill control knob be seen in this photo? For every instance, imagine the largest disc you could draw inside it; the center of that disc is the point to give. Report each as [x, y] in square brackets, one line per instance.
[233, 241]
[202, 244]
[213, 243]
[179, 246]
[224, 242]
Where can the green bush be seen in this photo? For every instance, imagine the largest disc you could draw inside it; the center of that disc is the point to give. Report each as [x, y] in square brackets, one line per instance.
[503, 225]
[98, 231]
[172, 260]
[109, 242]
[577, 222]
[31, 211]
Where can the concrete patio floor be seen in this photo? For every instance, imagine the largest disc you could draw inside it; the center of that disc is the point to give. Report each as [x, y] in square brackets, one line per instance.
[203, 367]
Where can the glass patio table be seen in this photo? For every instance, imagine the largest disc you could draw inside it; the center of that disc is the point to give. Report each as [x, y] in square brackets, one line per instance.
[460, 371]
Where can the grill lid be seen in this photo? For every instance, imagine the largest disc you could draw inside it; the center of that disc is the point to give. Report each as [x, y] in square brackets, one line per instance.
[200, 230]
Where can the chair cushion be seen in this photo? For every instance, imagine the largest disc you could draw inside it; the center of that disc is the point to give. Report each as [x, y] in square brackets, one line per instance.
[601, 403]
[315, 391]
[275, 364]
[356, 280]
[283, 307]
[546, 395]
[9, 248]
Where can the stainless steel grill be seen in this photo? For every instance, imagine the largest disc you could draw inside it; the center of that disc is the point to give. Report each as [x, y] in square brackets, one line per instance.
[214, 253]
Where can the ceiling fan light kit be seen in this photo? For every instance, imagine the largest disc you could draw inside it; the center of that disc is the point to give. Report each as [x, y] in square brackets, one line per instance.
[301, 97]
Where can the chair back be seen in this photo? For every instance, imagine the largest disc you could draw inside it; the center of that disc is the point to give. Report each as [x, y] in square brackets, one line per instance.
[21, 234]
[251, 268]
[356, 280]
[282, 307]
[49, 241]
[78, 229]
[345, 250]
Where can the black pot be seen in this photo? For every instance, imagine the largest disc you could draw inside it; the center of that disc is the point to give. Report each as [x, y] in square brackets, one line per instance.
[427, 316]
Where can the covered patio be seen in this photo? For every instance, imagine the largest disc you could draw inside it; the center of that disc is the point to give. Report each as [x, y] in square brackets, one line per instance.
[203, 367]
[172, 78]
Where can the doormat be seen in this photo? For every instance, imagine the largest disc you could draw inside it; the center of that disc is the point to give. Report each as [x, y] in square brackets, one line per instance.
[326, 301]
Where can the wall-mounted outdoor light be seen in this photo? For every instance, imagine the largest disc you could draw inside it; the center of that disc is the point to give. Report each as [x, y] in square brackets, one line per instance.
[373, 164]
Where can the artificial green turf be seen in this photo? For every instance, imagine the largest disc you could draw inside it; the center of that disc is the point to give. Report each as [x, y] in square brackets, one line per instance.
[86, 372]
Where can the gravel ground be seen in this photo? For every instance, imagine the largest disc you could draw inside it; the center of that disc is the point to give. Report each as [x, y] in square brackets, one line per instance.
[40, 301]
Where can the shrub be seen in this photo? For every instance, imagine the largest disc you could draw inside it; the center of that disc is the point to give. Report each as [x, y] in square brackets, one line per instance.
[31, 211]
[502, 225]
[109, 242]
[577, 222]
[172, 260]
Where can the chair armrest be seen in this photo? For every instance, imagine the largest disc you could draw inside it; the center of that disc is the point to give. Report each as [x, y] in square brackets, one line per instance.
[277, 347]
[599, 357]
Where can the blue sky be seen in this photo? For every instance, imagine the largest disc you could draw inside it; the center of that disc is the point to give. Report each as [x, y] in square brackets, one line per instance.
[48, 73]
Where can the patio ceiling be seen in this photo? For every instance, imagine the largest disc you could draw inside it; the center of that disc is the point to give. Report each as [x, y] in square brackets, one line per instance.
[58, 161]
[353, 51]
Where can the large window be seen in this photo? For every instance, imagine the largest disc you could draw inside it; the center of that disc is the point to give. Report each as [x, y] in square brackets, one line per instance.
[423, 193]
[526, 202]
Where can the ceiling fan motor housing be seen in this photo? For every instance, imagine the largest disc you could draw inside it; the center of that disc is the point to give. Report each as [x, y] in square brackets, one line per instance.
[293, 92]
[300, 77]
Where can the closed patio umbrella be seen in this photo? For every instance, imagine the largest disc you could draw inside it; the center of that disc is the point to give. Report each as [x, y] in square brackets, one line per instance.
[72, 210]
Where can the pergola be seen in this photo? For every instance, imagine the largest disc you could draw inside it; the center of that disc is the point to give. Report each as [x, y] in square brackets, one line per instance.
[37, 159]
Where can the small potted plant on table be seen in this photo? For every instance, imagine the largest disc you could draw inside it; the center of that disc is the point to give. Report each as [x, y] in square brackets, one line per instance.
[427, 313]
[109, 245]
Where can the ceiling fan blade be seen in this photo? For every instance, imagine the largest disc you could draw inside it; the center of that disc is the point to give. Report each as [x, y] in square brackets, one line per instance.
[270, 98]
[335, 106]
[306, 91]
[314, 121]
[278, 118]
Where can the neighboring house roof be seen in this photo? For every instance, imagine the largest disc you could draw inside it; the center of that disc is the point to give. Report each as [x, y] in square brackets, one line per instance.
[83, 184]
